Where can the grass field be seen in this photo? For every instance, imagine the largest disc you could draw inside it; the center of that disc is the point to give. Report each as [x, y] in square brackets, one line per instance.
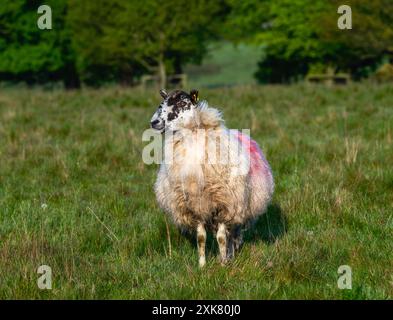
[75, 195]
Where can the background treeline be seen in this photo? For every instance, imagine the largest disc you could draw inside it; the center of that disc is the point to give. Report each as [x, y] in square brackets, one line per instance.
[94, 42]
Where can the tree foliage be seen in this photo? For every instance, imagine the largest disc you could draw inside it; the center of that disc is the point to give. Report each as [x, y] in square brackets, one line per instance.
[301, 35]
[104, 40]
[119, 40]
[30, 54]
[361, 49]
[130, 37]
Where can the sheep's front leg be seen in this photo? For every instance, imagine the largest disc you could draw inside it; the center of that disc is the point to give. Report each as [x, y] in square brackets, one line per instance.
[230, 247]
[201, 239]
[222, 242]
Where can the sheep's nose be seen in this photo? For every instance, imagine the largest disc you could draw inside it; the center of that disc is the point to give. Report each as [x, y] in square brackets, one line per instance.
[154, 123]
[157, 124]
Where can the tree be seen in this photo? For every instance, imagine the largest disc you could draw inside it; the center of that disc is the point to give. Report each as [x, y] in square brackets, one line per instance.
[132, 37]
[300, 35]
[361, 49]
[287, 28]
[88, 22]
[30, 54]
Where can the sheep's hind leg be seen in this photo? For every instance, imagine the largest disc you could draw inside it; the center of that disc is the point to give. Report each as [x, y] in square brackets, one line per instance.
[222, 242]
[201, 240]
[237, 238]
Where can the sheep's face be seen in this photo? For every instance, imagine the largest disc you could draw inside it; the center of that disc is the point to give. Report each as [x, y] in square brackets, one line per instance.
[175, 111]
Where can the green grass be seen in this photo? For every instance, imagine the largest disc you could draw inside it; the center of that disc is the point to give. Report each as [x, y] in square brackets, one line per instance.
[80, 154]
[226, 65]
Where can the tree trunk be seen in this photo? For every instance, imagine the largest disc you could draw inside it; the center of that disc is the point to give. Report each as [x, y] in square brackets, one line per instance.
[162, 72]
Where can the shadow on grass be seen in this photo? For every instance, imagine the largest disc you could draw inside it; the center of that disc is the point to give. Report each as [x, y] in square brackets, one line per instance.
[269, 227]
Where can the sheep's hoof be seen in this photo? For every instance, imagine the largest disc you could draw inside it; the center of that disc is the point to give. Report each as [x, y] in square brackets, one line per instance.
[202, 262]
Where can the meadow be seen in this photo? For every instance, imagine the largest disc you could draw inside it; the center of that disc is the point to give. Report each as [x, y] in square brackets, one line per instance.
[75, 195]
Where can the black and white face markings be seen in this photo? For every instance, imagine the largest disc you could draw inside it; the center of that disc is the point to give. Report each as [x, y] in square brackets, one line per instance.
[176, 107]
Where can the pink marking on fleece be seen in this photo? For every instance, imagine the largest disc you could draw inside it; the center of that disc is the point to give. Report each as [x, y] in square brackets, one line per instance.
[258, 162]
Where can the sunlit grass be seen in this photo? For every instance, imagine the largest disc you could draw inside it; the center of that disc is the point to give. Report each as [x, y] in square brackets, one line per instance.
[76, 195]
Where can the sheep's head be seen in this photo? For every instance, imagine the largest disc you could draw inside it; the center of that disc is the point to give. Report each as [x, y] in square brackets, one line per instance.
[175, 110]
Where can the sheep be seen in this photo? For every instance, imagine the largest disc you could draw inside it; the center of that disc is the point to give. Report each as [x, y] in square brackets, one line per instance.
[198, 190]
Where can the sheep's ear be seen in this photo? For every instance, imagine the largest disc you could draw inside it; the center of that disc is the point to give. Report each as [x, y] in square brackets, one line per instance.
[163, 93]
[194, 96]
